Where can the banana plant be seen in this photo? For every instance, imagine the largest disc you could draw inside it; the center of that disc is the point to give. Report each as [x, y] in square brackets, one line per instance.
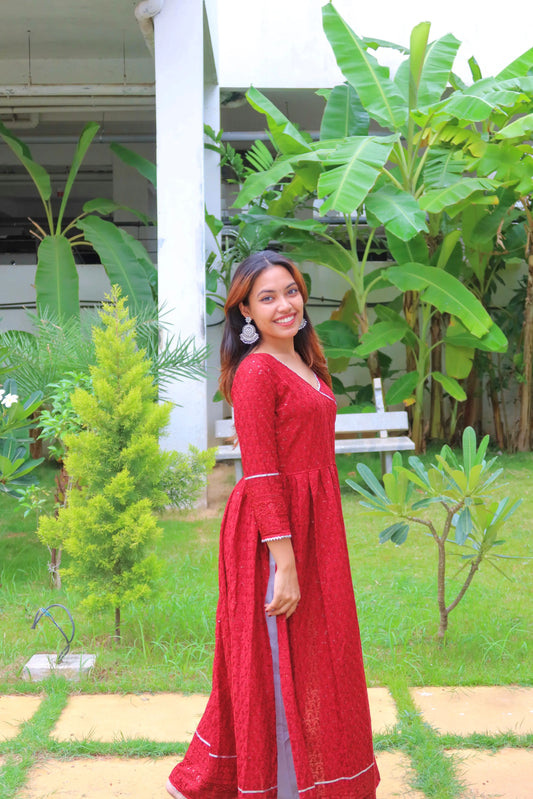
[123, 257]
[410, 181]
[452, 500]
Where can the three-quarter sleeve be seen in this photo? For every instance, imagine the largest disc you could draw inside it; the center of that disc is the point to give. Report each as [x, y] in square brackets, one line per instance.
[254, 402]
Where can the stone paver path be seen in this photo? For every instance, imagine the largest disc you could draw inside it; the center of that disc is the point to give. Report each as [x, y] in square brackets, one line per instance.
[465, 711]
[14, 711]
[164, 717]
[140, 778]
[108, 717]
[507, 773]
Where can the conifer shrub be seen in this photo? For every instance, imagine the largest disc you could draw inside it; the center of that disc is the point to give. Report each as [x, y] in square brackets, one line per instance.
[108, 526]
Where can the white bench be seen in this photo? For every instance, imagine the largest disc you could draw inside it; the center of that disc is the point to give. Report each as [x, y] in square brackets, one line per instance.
[351, 434]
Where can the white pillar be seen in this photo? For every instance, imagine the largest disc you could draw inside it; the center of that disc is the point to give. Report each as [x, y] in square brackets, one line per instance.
[212, 202]
[180, 199]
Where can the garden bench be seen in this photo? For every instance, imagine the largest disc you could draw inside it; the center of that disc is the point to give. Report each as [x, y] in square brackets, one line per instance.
[352, 434]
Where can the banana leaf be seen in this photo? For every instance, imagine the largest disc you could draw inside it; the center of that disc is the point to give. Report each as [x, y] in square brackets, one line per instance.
[344, 114]
[38, 174]
[450, 385]
[445, 292]
[437, 200]
[381, 334]
[517, 68]
[285, 135]
[397, 210]
[126, 265]
[145, 167]
[360, 160]
[438, 63]
[56, 278]
[414, 250]
[402, 388]
[370, 80]
[84, 142]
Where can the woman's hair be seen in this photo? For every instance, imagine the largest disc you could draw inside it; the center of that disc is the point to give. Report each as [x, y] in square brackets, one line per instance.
[232, 350]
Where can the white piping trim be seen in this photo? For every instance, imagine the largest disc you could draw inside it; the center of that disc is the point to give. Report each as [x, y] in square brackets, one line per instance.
[338, 779]
[275, 538]
[223, 757]
[268, 474]
[263, 790]
[327, 396]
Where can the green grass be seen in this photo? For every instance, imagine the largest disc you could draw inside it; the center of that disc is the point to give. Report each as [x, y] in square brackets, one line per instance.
[168, 642]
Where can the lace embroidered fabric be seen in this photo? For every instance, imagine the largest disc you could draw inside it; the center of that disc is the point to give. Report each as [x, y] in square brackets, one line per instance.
[285, 428]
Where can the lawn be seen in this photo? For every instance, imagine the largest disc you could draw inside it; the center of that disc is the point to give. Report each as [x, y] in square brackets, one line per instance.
[168, 642]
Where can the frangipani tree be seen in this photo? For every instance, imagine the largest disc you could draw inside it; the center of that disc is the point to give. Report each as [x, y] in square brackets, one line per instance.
[452, 500]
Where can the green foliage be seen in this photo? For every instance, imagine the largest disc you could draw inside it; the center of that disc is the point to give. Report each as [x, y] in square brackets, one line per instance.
[186, 475]
[108, 524]
[60, 418]
[122, 256]
[449, 152]
[16, 419]
[58, 347]
[446, 496]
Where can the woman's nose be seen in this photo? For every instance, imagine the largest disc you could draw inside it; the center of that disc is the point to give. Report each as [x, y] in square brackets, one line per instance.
[284, 303]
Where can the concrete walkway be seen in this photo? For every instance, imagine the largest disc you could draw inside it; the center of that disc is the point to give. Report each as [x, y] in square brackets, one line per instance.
[173, 717]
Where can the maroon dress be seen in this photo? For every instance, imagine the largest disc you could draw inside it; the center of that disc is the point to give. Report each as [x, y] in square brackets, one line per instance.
[290, 487]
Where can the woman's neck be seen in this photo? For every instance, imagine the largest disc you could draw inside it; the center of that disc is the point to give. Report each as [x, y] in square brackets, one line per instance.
[283, 350]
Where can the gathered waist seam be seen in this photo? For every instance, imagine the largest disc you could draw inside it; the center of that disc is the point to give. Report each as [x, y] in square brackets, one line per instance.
[308, 471]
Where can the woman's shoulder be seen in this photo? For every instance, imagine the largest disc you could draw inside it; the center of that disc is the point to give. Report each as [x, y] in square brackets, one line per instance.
[256, 369]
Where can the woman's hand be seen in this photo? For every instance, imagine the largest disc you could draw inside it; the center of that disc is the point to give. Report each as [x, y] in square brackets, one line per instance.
[286, 588]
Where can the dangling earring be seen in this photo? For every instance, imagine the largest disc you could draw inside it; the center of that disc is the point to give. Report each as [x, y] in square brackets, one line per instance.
[302, 324]
[249, 334]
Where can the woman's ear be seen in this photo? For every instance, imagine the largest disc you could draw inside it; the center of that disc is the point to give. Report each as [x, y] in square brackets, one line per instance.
[244, 309]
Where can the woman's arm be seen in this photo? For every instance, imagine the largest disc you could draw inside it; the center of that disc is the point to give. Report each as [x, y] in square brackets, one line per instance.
[286, 588]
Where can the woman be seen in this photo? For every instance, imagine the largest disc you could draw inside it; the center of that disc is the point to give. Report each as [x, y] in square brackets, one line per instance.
[288, 714]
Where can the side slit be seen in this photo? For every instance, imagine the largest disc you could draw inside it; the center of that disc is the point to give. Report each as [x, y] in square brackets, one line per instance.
[287, 786]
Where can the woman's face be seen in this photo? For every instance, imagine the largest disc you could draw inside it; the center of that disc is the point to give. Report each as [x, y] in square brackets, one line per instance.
[275, 304]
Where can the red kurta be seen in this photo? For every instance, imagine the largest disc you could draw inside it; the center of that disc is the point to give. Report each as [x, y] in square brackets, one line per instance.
[285, 429]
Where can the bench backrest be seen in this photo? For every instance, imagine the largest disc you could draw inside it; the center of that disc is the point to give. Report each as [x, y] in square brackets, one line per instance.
[371, 422]
[380, 421]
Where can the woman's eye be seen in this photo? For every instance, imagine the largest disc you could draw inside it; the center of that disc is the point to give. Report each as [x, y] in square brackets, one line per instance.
[293, 291]
[266, 299]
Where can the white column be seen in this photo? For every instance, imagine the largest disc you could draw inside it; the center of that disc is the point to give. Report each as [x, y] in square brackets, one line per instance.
[212, 202]
[180, 199]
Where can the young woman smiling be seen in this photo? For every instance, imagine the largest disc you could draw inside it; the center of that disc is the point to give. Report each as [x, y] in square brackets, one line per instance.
[288, 714]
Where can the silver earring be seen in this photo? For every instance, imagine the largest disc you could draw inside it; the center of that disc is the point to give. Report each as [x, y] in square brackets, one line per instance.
[302, 324]
[249, 334]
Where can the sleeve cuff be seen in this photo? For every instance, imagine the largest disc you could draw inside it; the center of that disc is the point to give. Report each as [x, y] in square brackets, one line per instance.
[274, 538]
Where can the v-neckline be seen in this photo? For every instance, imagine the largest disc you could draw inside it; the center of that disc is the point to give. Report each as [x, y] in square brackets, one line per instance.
[318, 386]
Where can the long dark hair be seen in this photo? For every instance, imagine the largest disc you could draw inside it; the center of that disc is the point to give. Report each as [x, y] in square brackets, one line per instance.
[232, 350]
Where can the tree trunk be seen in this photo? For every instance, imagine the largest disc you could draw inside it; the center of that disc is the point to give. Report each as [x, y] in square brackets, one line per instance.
[436, 426]
[495, 403]
[410, 312]
[117, 626]
[441, 590]
[472, 405]
[523, 438]
[373, 365]
[417, 425]
[53, 567]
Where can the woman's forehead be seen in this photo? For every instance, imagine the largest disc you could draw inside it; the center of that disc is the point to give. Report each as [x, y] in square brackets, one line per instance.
[273, 277]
